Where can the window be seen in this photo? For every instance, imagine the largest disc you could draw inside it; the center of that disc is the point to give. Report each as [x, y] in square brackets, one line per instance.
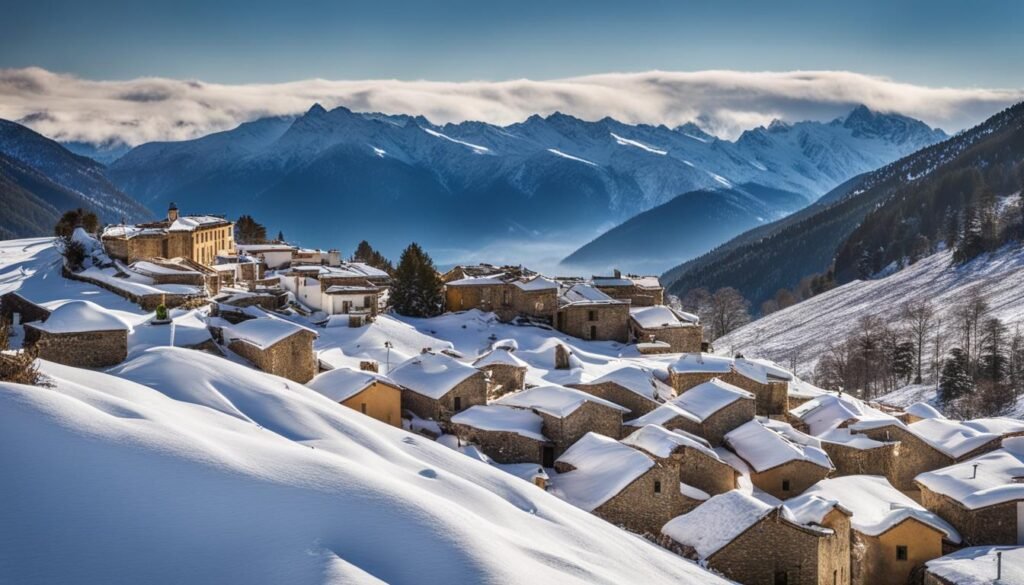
[781, 578]
[362, 408]
[657, 487]
[901, 552]
[591, 315]
[458, 403]
[785, 485]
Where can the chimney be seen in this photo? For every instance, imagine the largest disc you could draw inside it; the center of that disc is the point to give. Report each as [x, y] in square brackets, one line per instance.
[617, 273]
[369, 366]
[172, 212]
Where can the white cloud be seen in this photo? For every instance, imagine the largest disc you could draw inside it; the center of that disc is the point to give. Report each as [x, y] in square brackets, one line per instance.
[725, 102]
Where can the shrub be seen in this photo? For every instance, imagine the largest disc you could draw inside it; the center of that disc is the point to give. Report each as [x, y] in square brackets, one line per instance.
[161, 312]
[18, 367]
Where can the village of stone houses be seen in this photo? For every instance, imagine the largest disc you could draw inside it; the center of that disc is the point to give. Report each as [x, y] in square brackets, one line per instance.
[596, 389]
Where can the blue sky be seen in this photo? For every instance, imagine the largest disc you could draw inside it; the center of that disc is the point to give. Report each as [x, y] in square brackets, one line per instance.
[938, 43]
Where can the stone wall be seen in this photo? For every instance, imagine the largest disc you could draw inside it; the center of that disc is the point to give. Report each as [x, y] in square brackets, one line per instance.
[505, 378]
[291, 358]
[638, 297]
[992, 525]
[507, 301]
[850, 461]
[87, 349]
[502, 446]
[715, 427]
[772, 398]
[12, 303]
[589, 417]
[146, 302]
[599, 322]
[471, 392]
[646, 504]
[699, 470]
[638, 405]
[799, 474]
[685, 339]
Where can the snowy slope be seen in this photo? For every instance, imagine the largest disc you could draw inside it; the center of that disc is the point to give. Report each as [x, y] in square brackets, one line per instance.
[801, 333]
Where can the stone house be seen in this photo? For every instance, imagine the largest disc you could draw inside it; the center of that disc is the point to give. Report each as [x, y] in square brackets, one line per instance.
[926, 445]
[640, 291]
[240, 273]
[828, 417]
[709, 410]
[275, 346]
[511, 292]
[752, 542]
[618, 483]
[782, 461]
[200, 238]
[976, 565]
[587, 313]
[768, 382]
[315, 257]
[702, 472]
[16, 309]
[632, 387]
[436, 386]
[681, 332]
[893, 536]
[982, 497]
[505, 372]
[505, 434]
[920, 411]
[568, 414]
[352, 289]
[81, 334]
[271, 256]
[366, 392]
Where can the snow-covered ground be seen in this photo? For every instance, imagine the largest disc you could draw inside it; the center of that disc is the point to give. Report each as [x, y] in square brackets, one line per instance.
[800, 334]
[178, 466]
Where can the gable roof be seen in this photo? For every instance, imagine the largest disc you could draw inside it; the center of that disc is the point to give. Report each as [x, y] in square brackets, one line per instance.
[715, 523]
[431, 374]
[604, 467]
[558, 401]
[661, 442]
[696, 404]
[499, 356]
[764, 448]
[830, 411]
[340, 384]
[661, 317]
[264, 332]
[875, 504]
[502, 419]
[993, 482]
[584, 294]
[638, 380]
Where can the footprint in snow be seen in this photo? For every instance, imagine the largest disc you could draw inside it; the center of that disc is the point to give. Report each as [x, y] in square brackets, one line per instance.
[429, 474]
[409, 441]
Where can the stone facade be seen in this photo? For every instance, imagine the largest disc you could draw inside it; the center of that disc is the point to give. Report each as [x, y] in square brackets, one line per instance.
[991, 525]
[714, 428]
[506, 446]
[292, 357]
[589, 417]
[12, 303]
[506, 300]
[706, 473]
[84, 349]
[789, 479]
[850, 461]
[685, 339]
[638, 405]
[775, 551]
[504, 378]
[469, 392]
[599, 322]
[878, 560]
[772, 399]
[201, 245]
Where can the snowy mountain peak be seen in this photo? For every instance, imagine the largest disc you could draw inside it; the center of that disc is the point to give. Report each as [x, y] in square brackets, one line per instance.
[316, 109]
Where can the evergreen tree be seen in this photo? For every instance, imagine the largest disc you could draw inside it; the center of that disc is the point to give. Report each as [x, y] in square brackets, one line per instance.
[417, 290]
[954, 381]
[951, 228]
[249, 231]
[76, 218]
[903, 361]
[280, 236]
[993, 360]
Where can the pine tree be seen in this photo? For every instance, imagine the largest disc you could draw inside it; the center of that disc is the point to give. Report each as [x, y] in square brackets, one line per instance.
[280, 236]
[417, 290]
[993, 360]
[249, 231]
[954, 381]
[367, 255]
[76, 218]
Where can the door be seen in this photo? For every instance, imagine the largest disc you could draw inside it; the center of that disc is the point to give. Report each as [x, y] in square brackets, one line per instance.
[547, 456]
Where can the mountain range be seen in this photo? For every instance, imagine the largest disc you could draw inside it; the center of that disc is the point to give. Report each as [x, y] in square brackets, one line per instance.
[338, 176]
[40, 179]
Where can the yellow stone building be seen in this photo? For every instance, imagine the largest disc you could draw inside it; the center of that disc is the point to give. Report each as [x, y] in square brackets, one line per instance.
[200, 238]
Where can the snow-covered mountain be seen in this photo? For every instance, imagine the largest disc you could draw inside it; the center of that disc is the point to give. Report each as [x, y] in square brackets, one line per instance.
[459, 186]
[41, 178]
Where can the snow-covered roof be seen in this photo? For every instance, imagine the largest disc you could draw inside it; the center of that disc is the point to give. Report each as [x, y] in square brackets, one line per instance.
[340, 289]
[584, 294]
[952, 438]
[661, 317]
[147, 267]
[690, 363]
[264, 332]
[923, 410]
[761, 370]
[131, 231]
[828, 411]
[853, 440]
[997, 425]
[763, 448]
[717, 522]
[80, 316]
[431, 374]
[627, 280]
[537, 283]
[638, 380]
[503, 419]
[604, 467]
[340, 384]
[977, 565]
[696, 404]
[557, 401]
[661, 442]
[809, 509]
[190, 223]
[257, 248]
[499, 356]
[995, 482]
[875, 504]
[490, 280]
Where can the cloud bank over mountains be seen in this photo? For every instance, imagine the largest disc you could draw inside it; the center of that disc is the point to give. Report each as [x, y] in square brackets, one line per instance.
[724, 103]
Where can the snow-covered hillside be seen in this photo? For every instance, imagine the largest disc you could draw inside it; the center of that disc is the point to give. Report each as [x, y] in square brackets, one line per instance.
[801, 333]
[178, 466]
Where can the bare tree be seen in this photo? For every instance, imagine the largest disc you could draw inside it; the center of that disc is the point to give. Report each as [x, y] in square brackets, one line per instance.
[918, 317]
[729, 310]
